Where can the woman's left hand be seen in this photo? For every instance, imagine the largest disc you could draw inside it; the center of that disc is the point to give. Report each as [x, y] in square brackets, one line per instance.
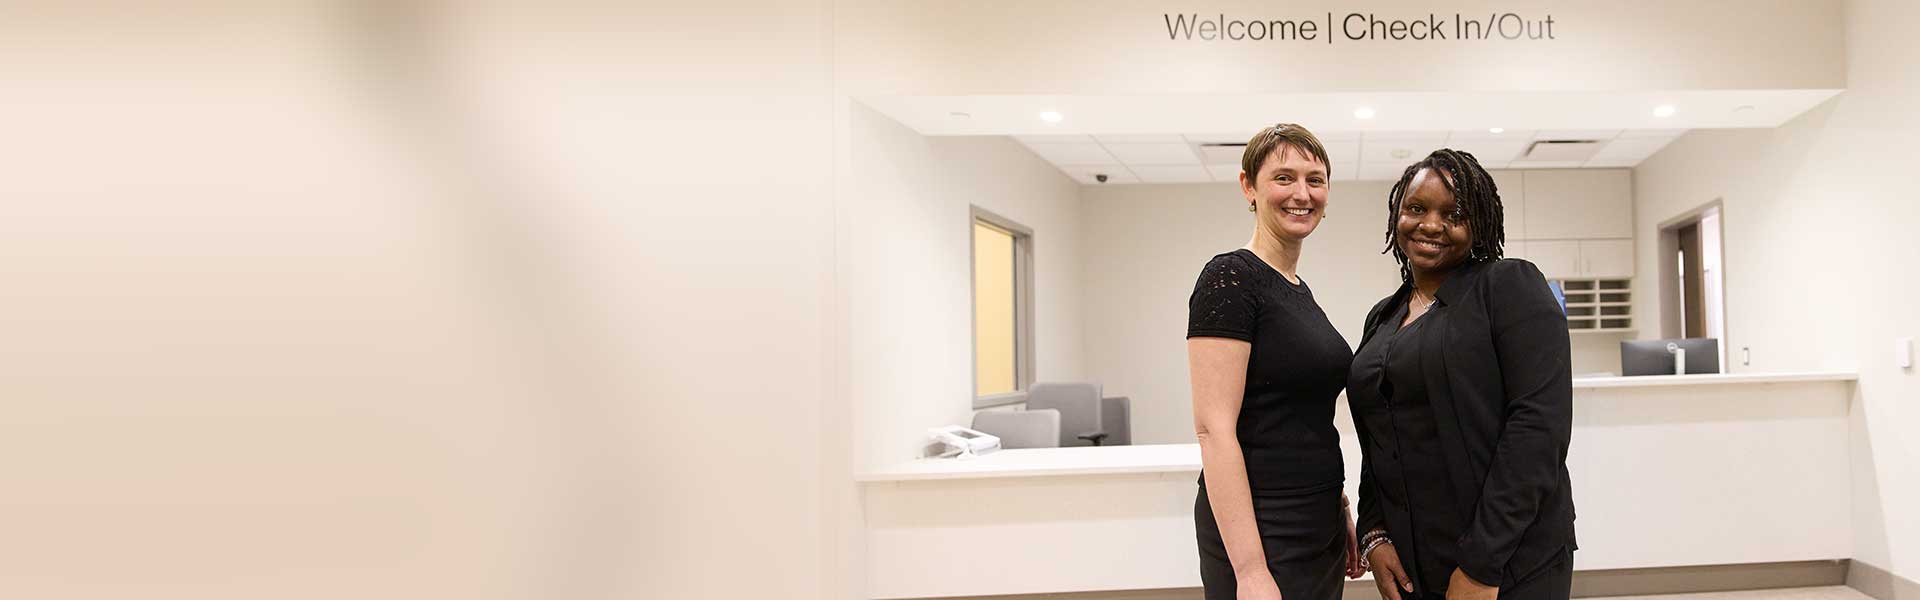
[1354, 567]
[1462, 587]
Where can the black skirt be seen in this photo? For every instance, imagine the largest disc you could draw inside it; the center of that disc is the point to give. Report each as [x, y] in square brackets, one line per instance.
[1303, 536]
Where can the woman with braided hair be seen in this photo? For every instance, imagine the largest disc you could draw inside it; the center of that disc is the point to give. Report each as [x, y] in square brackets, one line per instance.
[1462, 396]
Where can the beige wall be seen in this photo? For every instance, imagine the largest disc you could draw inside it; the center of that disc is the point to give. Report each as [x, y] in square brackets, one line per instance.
[1144, 246]
[287, 320]
[1819, 256]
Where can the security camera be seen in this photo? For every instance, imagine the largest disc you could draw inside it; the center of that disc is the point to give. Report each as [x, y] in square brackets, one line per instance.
[1100, 177]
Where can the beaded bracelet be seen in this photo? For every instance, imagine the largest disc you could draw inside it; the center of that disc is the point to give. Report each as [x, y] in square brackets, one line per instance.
[1373, 539]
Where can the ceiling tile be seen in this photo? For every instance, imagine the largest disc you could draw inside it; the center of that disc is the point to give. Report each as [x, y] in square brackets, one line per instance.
[1157, 138]
[1381, 172]
[1611, 163]
[1337, 136]
[1491, 151]
[1084, 153]
[1576, 134]
[1224, 172]
[1175, 153]
[1085, 173]
[1342, 151]
[1172, 174]
[1221, 155]
[1401, 152]
[1519, 135]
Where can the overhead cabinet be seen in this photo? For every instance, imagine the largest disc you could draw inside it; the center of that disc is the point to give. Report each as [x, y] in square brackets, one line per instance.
[1581, 259]
[1578, 204]
[1571, 222]
[1577, 226]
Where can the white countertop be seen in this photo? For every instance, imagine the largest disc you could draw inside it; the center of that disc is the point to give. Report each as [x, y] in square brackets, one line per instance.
[1185, 458]
[1042, 462]
[1715, 379]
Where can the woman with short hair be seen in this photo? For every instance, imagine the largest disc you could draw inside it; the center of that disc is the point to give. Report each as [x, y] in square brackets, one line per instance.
[1266, 368]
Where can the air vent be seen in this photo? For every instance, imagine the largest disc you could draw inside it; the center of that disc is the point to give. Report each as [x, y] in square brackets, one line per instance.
[1562, 150]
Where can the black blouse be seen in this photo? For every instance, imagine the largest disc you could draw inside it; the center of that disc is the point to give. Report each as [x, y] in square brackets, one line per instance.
[1297, 369]
[1388, 393]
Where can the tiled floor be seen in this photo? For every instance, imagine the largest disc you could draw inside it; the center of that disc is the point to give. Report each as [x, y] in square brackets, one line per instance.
[1837, 592]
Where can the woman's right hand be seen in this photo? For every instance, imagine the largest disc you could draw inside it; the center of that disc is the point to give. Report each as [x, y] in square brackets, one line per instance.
[1388, 575]
[1257, 586]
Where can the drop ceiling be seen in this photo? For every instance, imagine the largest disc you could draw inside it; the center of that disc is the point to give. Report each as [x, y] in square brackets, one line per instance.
[1169, 138]
[1355, 156]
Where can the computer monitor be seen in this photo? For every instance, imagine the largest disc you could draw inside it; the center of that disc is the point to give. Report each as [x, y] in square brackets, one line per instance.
[1651, 357]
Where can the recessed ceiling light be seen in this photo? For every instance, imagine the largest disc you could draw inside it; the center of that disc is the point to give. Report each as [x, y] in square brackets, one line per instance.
[1664, 110]
[1496, 130]
[959, 115]
[1051, 116]
[1401, 153]
[1363, 113]
[1743, 108]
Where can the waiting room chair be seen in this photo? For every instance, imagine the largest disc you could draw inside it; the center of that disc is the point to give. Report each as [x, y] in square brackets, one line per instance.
[1116, 419]
[1020, 428]
[1081, 422]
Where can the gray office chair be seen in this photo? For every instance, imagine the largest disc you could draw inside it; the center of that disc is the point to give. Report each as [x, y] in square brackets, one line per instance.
[1116, 418]
[1079, 406]
[1020, 428]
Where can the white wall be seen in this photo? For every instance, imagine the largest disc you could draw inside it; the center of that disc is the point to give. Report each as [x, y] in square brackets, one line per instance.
[251, 349]
[682, 183]
[905, 227]
[1820, 255]
[1145, 245]
[299, 310]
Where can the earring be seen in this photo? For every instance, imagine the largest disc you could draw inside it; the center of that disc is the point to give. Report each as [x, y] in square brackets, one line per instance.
[1250, 208]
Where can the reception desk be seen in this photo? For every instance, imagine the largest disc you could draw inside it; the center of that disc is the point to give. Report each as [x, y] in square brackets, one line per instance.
[1667, 471]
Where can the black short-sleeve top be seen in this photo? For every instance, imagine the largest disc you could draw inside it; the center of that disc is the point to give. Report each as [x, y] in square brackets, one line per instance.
[1297, 369]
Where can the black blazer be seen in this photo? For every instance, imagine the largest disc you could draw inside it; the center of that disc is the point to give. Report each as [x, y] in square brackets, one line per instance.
[1499, 378]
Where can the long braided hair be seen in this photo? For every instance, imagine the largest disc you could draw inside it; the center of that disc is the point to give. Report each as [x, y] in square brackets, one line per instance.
[1473, 192]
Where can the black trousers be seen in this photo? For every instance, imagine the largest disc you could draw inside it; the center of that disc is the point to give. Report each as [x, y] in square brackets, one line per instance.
[1552, 582]
[1303, 536]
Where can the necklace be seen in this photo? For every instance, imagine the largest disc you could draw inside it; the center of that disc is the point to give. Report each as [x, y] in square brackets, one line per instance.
[1424, 301]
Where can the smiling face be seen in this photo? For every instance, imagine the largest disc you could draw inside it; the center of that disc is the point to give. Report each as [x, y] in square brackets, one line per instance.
[1430, 228]
[1289, 192]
